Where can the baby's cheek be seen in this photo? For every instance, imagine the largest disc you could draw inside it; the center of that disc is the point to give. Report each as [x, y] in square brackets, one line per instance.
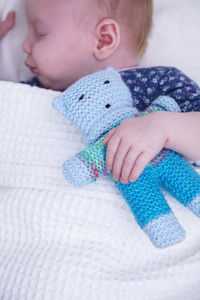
[42, 58]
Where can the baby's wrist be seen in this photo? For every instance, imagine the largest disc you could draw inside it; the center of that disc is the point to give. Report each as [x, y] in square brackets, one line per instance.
[162, 120]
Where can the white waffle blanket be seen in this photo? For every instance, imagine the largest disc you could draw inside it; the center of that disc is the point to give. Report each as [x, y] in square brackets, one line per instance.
[62, 243]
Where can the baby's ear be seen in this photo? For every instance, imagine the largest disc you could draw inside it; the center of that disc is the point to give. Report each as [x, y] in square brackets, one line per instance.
[107, 38]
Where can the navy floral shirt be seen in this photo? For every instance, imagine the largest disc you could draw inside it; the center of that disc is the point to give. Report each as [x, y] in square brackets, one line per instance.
[146, 84]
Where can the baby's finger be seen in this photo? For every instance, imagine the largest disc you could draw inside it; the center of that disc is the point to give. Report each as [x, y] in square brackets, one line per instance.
[119, 159]
[129, 164]
[112, 147]
[109, 135]
[7, 24]
[143, 159]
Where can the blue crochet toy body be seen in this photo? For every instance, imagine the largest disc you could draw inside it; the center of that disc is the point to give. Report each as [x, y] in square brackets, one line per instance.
[97, 103]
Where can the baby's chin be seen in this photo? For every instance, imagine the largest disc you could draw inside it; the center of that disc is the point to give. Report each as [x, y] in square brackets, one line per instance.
[51, 84]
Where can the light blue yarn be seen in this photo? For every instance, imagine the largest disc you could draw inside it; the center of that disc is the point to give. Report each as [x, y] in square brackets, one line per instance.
[97, 103]
[166, 103]
[194, 206]
[87, 114]
[165, 231]
[76, 172]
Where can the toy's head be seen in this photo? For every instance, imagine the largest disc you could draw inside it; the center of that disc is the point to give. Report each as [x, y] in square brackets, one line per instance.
[96, 102]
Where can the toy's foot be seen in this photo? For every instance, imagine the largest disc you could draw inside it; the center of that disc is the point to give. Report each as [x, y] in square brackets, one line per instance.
[194, 206]
[165, 231]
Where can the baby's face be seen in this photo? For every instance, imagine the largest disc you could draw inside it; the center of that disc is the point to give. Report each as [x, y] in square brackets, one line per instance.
[59, 41]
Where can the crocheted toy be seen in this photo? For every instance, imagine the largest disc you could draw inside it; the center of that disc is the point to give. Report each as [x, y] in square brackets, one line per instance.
[97, 103]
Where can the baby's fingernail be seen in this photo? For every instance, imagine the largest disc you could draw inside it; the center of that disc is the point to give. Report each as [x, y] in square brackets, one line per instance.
[124, 181]
[133, 179]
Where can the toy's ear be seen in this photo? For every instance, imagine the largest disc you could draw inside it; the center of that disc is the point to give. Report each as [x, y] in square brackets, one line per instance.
[113, 71]
[58, 104]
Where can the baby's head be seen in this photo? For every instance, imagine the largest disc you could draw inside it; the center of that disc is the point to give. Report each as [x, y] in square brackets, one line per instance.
[68, 39]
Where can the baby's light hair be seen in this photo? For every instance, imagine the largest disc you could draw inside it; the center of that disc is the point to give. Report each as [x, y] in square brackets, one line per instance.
[136, 15]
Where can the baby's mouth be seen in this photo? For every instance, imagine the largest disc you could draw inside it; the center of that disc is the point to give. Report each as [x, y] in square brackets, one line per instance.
[32, 68]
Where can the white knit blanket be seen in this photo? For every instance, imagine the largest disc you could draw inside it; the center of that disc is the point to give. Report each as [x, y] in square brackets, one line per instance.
[62, 243]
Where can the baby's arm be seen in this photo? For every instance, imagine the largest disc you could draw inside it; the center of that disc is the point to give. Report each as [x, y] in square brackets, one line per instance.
[7, 24]
[86, 166]
[132, 145]
[183, 133]
[182, 129]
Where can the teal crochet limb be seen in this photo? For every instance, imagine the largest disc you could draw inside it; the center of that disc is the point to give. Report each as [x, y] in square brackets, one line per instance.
[146, 203]
[181, 180]
[151, 209]
[149, 206]
[172, 172]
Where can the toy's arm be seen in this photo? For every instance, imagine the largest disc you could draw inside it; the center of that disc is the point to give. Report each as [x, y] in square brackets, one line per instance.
[164, 103]
[86, 166]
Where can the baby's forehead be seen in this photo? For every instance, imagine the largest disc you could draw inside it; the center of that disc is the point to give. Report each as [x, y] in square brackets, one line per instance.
[44, 4]
[62, 9]
[41, 11]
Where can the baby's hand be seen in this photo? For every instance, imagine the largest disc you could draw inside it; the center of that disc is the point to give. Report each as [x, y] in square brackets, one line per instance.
[7, 24]
[133, 144]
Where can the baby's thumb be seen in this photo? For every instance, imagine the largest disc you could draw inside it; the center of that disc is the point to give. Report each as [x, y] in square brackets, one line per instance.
[10, 20]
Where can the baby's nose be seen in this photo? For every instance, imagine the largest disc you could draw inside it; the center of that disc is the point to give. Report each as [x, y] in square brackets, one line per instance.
[26, 46]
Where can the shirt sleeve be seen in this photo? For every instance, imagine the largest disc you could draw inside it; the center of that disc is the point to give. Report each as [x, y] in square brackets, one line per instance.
[32, 82]
[146, 84]
[181, 88]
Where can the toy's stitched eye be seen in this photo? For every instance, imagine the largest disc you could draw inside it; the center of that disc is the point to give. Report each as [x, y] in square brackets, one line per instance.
[106, 82]
[81, 97]
[108, 105]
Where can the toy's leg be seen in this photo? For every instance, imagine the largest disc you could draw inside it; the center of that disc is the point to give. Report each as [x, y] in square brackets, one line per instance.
[152, 211]
[182, 181]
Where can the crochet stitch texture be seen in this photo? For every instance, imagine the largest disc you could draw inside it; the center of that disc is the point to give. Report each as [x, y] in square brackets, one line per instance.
[97, 103]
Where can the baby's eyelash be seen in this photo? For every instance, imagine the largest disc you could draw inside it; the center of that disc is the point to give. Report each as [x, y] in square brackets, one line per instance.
[41, 34]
